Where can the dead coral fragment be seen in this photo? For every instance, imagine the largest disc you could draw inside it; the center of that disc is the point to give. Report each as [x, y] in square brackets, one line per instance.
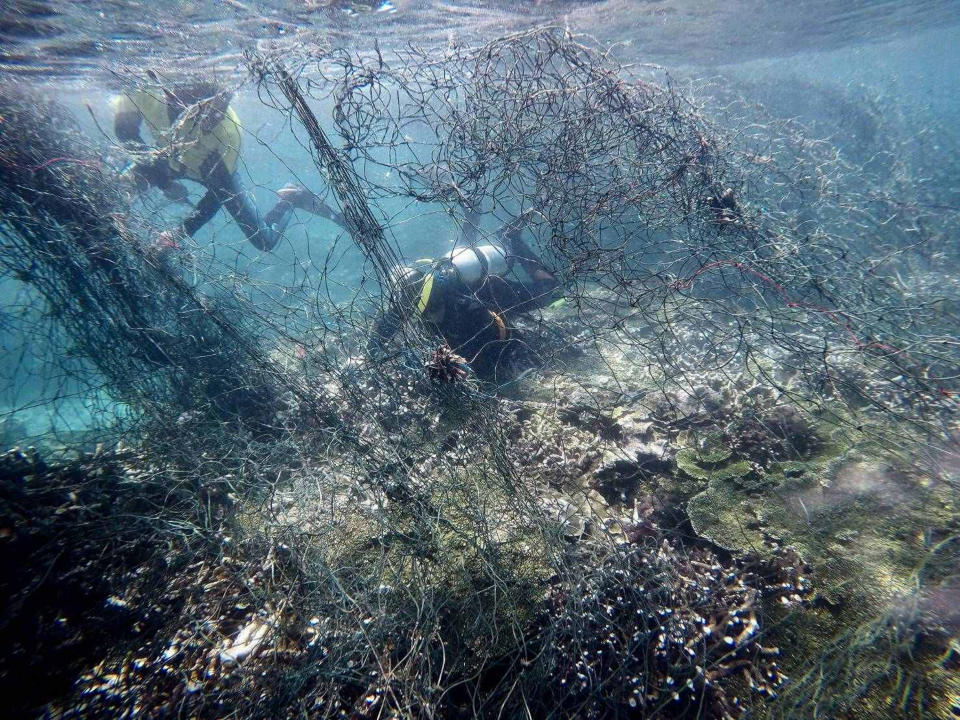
[445, 366]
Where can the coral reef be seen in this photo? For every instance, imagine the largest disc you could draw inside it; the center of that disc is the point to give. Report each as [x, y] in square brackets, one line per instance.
[672, 554]
[698, 481]
[659, 631]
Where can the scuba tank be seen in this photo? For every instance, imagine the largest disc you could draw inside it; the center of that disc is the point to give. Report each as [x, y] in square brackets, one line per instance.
[475, 264]
[472, 266]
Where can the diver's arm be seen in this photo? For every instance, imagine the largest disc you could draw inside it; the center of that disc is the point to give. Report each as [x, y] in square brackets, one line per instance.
[155, 171]
[471, 226]
[199, 107]
[511, 237]
[126, 124]
[544, 282]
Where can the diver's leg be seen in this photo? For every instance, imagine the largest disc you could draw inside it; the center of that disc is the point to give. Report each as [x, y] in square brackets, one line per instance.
[202, 213]
[232, 195]
[301, 199]
[279, 216]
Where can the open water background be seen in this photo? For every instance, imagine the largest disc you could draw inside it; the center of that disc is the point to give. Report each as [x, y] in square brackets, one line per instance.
[67, 38]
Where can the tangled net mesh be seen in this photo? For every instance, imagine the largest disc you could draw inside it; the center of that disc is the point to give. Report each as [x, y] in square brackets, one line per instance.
[341, 536]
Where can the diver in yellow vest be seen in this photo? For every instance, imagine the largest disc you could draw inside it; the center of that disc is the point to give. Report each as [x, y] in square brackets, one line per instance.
[197, 136]
[468, 300]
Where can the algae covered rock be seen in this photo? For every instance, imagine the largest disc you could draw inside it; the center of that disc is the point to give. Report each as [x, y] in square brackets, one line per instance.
[698, 466]
[726, 520]
[860, 523]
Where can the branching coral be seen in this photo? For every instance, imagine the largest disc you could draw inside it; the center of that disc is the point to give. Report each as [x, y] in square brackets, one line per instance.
[662, 630]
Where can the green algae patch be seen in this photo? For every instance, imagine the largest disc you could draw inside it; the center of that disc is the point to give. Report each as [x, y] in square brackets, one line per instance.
[856, 520]
[703, 464]
[687, 462]
[716, 466]
[897, 661]
[865, 526]
[731, 524]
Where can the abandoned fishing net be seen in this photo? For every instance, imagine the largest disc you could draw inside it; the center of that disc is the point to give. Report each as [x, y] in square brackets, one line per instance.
[713, 469]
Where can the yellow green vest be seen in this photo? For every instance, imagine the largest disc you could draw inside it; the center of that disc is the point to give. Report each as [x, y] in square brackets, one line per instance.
[194, 146]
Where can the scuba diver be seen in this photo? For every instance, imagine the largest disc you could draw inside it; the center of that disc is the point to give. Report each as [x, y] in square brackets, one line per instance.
[197, 136]
[468, 300]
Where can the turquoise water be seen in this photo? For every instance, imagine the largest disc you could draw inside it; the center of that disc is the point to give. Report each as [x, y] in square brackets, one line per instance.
[799, 61]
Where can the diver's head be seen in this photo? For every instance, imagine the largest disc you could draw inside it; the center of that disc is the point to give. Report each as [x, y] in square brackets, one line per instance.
[406, 284]
[413, 292]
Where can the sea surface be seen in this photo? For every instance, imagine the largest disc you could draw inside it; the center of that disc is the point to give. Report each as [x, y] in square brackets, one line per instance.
[71, 39]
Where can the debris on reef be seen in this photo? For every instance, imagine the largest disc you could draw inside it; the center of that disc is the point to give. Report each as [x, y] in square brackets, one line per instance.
[445, 366]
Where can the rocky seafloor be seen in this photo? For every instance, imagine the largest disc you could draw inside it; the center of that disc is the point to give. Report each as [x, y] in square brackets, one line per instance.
[608, 542]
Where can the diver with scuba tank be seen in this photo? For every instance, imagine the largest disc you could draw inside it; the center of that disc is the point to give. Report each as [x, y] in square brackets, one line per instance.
[468, 299]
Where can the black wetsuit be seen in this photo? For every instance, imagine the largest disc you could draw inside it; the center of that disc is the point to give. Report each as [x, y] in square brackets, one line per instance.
[474, 323]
